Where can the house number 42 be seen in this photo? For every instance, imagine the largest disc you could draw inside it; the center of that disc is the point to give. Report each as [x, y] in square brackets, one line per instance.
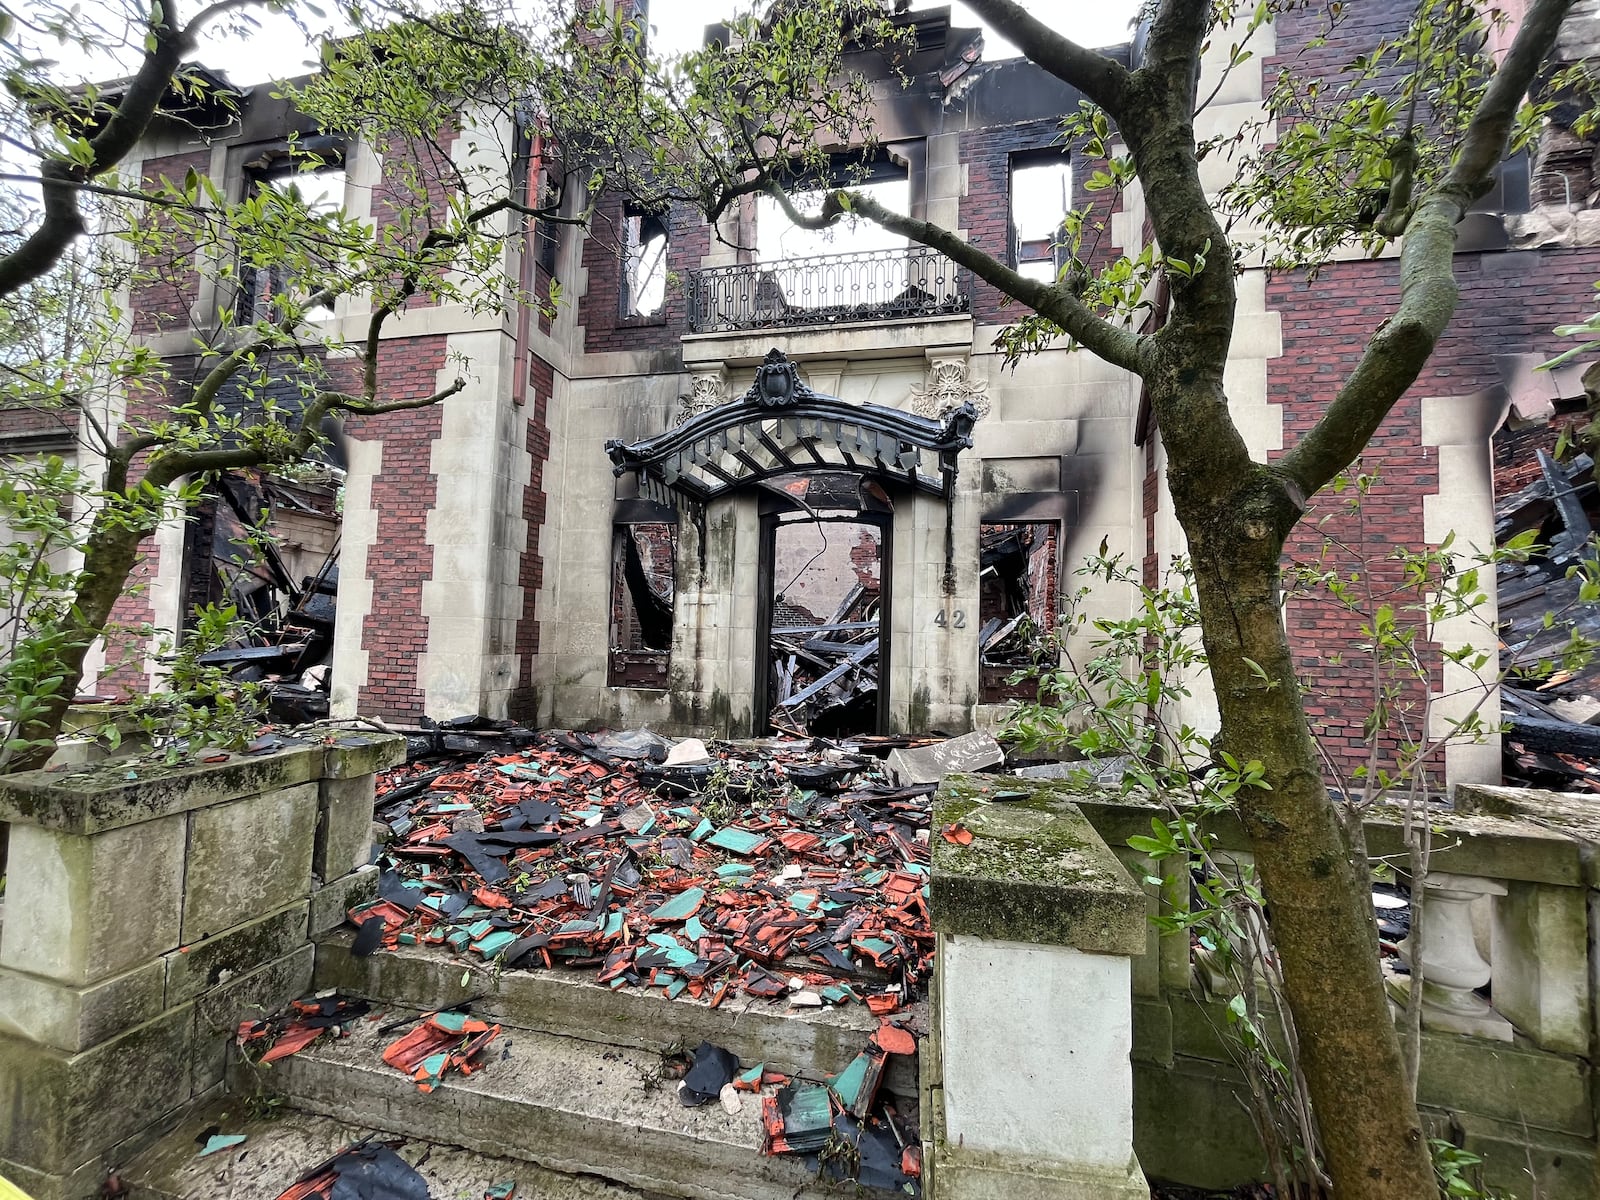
[955, 620]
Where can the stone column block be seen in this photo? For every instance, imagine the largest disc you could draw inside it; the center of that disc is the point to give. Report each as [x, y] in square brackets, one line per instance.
[58, 1110]
[344, 826]
[331, 902]
[262, 992]
[1540, 950]
[1037, 922]
[247, 857]
[215, 962]
[92, 906]
[75, 1018]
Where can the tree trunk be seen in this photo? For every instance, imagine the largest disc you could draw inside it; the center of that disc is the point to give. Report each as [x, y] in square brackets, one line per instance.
[1316, 881]
[108, 559]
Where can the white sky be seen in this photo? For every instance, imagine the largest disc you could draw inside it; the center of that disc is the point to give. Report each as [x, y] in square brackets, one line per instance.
[278, 48]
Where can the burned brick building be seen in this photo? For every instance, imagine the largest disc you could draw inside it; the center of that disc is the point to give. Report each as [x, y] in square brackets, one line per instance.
[744, 478]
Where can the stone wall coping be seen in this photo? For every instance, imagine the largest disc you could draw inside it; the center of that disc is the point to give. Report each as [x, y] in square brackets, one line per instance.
[1528, 845]
[1035, 870]
[112, 794]
[1574, 815]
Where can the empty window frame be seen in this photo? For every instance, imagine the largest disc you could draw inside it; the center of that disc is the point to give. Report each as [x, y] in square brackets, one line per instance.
[644, 560]
[1018, 585]
[644, 262]
[1041, 198]
[321, 190]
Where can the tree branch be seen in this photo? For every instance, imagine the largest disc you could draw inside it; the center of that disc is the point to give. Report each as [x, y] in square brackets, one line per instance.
[1398, 351]
[60, 177]
[362, 408]
[1102, 79]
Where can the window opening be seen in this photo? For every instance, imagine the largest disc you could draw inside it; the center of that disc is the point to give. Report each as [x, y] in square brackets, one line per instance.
[645, 256]
[1041, 198]
[644, 561]
[1017, 588]
[322, 191]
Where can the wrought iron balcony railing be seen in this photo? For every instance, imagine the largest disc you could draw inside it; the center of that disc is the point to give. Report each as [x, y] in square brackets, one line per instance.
[834, 289]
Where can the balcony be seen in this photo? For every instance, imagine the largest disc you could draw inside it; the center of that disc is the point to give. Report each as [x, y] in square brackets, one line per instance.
[834, 289]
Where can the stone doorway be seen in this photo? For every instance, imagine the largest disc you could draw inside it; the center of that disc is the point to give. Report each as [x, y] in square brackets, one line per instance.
[823, 605]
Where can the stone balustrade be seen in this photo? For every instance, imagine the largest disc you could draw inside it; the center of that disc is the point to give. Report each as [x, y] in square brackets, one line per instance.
[148, 911]
[1511, 1023]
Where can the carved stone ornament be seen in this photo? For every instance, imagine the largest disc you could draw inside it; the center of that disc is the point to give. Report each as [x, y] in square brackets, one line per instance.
[778, 382]
[709, 390]
[948, 389]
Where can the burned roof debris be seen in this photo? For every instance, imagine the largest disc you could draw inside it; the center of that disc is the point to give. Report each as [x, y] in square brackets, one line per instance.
[774, 868]
[1551, 694]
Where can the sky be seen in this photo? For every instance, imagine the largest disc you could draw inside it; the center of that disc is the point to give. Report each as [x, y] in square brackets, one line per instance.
[278, 48]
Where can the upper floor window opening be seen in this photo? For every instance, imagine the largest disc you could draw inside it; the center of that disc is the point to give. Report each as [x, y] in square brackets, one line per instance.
[1041, 198]
[779, 239]
[318, 183]
[645, 263]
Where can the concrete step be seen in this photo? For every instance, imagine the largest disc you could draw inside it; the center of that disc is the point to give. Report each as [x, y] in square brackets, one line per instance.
[809, 1041]
[280, 1145]
[565, 1104]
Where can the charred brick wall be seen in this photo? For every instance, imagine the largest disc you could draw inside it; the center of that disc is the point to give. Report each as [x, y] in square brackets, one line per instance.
[600, 309]
[1510, 303]
[167, 285]
[986, 207]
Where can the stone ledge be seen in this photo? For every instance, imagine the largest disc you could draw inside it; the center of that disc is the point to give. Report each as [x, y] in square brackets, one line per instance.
[1035, 871]
[102, 796]
[968, 1175]
[1572, 815]
[917, 336]
[1483, 840]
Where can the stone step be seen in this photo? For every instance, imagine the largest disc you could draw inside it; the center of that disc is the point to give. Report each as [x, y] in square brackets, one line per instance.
[565, 1104]
[280, 1145]
[808, 1041]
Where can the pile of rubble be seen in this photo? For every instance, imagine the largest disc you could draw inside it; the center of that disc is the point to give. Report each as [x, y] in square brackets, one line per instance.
[1551, 694]
[826, 675]
[775, 869]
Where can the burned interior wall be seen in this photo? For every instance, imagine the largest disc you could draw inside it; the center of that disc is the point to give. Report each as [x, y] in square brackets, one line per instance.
[643, 590]
[1018, 598]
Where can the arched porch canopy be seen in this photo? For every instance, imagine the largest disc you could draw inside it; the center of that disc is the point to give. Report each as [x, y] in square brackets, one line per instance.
[779, 427]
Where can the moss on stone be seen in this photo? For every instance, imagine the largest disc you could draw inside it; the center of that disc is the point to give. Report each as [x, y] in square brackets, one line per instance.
[1034, 871]
[117, 792]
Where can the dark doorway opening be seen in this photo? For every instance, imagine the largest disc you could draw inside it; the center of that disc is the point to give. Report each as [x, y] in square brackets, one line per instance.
[1018, 584]
[823, 605]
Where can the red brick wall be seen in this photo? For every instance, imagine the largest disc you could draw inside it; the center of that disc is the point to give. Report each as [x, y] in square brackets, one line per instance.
[600, 311]
[1510, 302]
[535, 503]
[400, 561]
[19, 421]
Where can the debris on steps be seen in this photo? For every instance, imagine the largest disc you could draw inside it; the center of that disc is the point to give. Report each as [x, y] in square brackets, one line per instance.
[769, 869]
[280, 1146]
[799, 1040]
[578, 1107]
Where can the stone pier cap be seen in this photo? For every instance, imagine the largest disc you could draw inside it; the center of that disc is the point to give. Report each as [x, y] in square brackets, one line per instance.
[1034, 870]
[108, 795]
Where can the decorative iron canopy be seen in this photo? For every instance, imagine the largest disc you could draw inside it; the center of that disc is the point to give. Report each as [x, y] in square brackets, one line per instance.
[781, 426]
